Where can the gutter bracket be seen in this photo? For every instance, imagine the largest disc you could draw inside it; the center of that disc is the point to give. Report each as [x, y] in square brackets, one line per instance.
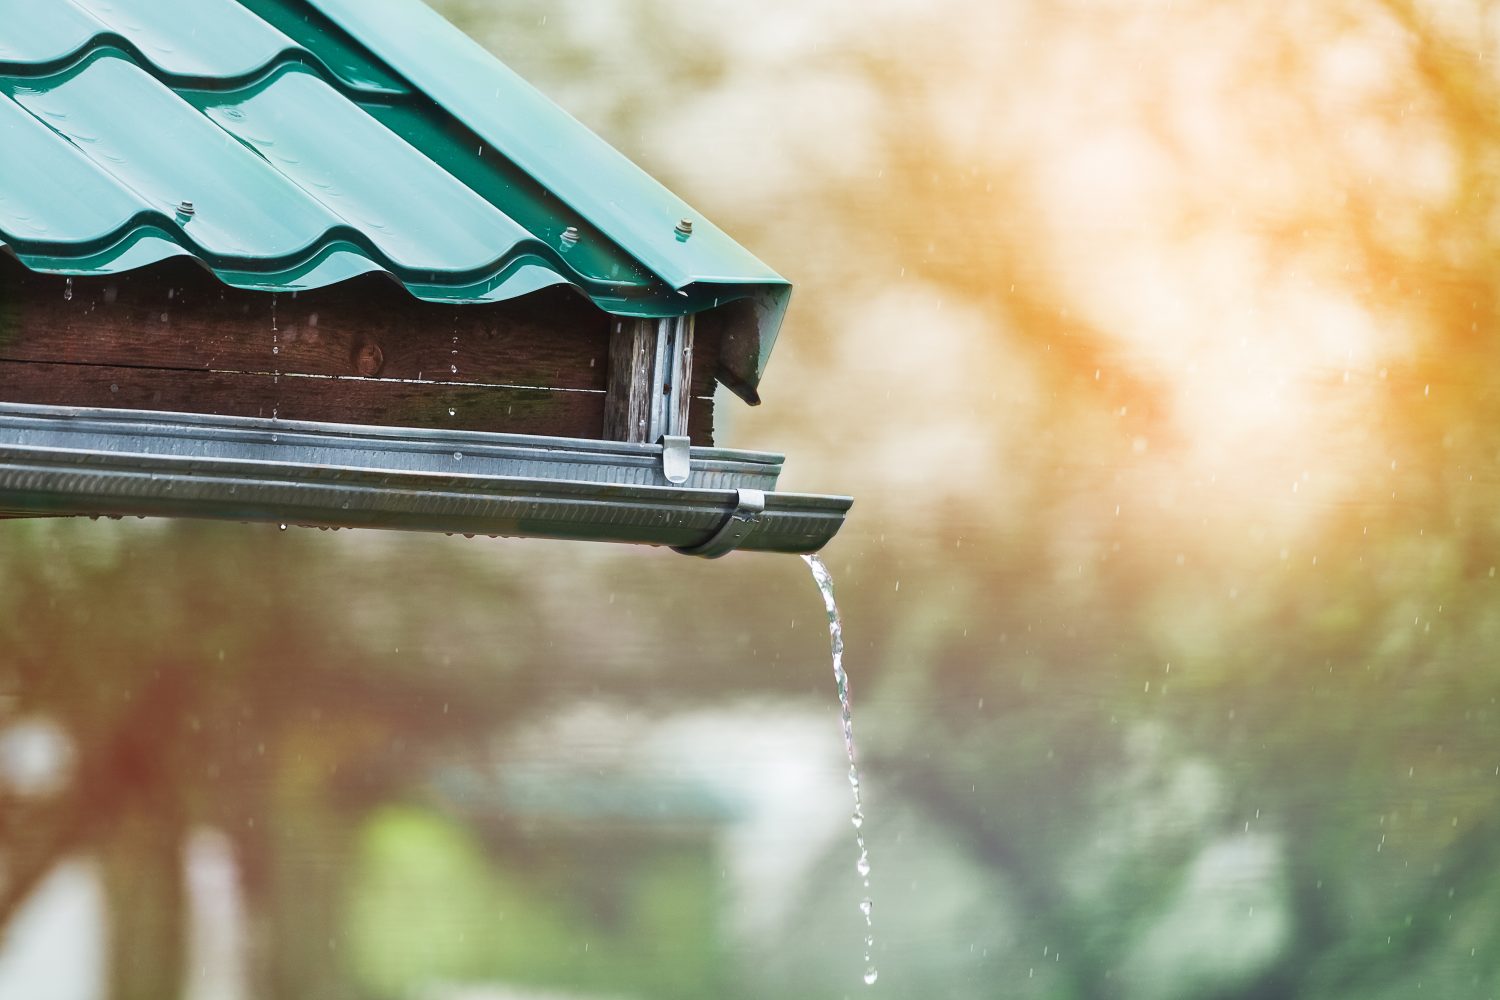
[749, 505]
[676, 458]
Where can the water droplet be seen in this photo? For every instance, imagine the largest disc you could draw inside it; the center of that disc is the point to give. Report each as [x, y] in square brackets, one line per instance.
[453, 369]
[458, 456]
[68, 290]
[865, 905]
[452, 412]
[871, 974]
[858, 820]
[282, 527]
[863, 864]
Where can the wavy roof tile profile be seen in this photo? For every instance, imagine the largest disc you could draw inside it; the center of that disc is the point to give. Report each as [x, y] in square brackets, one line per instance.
[317, 140]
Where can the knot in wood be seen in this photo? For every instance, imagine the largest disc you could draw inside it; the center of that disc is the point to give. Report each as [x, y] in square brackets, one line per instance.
[369, 359]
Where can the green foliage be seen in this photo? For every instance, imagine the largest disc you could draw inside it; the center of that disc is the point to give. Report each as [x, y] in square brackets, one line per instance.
[430, 905]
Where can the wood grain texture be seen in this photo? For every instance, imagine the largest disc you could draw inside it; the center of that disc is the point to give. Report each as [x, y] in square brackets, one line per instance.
[567, 413]
[627, 410]
[191, 321]
[173, 337]
[708, 328]
[635, 398]
[680, 370]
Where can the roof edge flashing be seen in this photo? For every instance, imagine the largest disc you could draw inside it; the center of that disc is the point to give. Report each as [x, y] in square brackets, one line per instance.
[544, 140]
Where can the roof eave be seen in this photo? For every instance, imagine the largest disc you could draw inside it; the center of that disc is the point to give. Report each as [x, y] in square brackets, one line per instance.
[582, 170]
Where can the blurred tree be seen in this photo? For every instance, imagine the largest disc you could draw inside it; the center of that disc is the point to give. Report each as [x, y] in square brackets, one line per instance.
[206, 679]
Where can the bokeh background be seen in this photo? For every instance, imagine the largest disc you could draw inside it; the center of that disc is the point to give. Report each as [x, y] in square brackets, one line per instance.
[1157, 341]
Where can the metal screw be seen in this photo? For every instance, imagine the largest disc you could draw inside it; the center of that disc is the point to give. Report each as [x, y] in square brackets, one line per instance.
[186, 208]
[570, 235]
[685, 227]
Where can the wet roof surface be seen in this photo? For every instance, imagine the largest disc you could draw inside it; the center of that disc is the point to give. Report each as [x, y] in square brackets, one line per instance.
[291, 144]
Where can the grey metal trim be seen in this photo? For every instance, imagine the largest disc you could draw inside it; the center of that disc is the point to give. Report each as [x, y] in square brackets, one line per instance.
[671, 378]
[191, 435]
[66, 460]
[676, 458]
[741, 521]
[669, 381]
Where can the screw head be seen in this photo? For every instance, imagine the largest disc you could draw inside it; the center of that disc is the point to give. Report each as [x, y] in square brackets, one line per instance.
[186, 208]
[570, 235]
[685, 227]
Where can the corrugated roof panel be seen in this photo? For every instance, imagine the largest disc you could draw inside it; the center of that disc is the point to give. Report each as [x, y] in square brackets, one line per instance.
[192, 38]
[33, 35]
[319, 139]
[346, 60]
[43, 175]
[158, 146]
[414, 212]
[539, 137]
[480, 167]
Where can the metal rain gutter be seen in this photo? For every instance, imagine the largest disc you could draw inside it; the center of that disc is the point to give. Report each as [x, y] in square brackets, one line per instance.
[63, 460]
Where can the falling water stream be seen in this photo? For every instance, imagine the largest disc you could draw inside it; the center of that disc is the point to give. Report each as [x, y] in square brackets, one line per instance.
[841, 680]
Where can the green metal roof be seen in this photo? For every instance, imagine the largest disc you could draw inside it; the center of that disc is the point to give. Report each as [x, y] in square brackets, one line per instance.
[317, 140]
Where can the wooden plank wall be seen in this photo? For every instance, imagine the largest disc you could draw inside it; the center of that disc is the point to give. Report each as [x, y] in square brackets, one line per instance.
[172, 337]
